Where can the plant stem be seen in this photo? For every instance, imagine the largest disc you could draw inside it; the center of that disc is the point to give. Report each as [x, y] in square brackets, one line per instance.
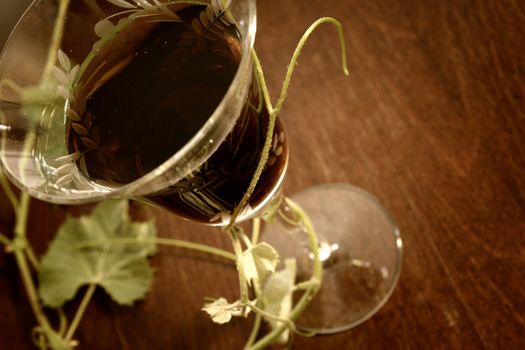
[21, 205]
[92, 4]
[254, 332]
[56, 38]
[317, 275]
[24, 252]
[286, 219]
[80, 312]
[196, 246]
[270, 316]
[256, 288]
[162, 241]
[29, 286]
[237, 248]
[298, 50]
[20, 234]
[32, 257]
[8, 190]
[318, 269]
[274, 112]
[315, 279]
[267, 143]
[246, 240]
[22, 214]
[62, 328]
[4, 240]
[258, 317]
[256, 230]
[263, 87]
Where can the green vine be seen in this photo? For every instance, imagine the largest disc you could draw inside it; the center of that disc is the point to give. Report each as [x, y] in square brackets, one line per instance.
[255, 261]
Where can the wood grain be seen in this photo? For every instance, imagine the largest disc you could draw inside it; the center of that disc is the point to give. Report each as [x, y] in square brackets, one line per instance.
[431, 120]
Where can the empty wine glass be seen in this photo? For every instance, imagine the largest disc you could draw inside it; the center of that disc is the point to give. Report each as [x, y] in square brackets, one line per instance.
[157, 102]
[359, 246]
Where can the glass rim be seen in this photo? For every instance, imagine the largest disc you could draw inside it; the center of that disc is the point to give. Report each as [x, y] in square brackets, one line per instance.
[141, 186]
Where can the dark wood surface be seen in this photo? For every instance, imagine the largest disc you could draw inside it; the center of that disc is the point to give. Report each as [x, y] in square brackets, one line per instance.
[431, 120]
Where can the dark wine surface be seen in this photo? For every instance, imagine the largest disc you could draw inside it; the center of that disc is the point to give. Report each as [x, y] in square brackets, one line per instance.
[152, 102]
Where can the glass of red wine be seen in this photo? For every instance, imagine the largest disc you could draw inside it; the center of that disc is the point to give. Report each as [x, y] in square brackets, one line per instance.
[157, 101]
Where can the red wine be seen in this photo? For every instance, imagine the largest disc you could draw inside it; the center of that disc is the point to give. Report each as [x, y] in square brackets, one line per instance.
[152, 103]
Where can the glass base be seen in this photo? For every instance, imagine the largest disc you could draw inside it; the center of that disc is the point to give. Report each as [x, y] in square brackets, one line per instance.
[360, 247]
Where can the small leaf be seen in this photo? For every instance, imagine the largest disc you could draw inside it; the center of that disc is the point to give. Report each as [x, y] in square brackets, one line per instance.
[122, 3]
[216, 7]
[209, 13]
[204, 19]
[63, 180]
[73, 74]
[79, 129]
[197, 26]
[144, 4]
[259, 260]
[224, 19]
[221, 311]
[277, 295]
[83, 165]
[226, 4]
[88, 142]
[69, 158]
[60, 75]
[63, 92]
[223, 4]
[219, 6]
[73, 115]
[63, 60]
[121, 269]
[219, 25]
[229, 17]
[64, 169]
[103, 28]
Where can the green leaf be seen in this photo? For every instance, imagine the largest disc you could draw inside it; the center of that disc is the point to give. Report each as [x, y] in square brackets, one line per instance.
[221, 311]
[257, 261]
[277, 295]
[84, 252]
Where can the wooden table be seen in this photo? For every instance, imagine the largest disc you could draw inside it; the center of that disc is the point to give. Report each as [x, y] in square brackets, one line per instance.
[431, 120]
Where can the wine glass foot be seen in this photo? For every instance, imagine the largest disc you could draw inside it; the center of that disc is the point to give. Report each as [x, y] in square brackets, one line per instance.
[360, 247]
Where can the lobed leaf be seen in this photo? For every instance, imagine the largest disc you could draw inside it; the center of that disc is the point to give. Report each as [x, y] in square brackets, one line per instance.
[258, 261]
[277, 295]
[121, 269]
[221, 311]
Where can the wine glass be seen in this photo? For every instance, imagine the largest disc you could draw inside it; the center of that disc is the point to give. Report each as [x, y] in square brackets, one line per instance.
[157, 102]
[359, 246]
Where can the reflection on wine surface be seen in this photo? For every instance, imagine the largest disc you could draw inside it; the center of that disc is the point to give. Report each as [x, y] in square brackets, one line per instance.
[131, 116]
